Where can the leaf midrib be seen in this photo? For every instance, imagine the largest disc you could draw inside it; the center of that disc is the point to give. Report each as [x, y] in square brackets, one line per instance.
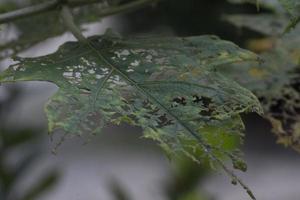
[200, 141]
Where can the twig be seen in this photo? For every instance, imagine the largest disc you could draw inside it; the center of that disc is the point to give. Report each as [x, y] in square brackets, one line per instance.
[28, 11]
[54, 4]
[68, 20]
[126, 7]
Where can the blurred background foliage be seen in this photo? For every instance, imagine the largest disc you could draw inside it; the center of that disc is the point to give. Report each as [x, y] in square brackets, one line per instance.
[19, 151]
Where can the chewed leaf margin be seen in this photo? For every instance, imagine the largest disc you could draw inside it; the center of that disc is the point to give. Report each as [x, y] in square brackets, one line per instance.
[167, 86]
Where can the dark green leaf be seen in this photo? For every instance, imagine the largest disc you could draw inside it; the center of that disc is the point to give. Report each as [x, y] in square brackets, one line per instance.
[167, 86]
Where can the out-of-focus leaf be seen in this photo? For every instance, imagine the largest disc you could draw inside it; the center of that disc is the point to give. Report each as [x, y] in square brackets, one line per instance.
[7, 6]
[293, 8]
[186, 177]
[11, 139]
[6, 180]
[44, 184]
[279, 7]
[167, 86]
[25, 164]
[192, 196]
[273, 5]
[118, 191]
[276, 81]
[11, 174]
[268, 24]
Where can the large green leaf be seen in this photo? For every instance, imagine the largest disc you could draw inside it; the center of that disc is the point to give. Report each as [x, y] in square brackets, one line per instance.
[167, 86]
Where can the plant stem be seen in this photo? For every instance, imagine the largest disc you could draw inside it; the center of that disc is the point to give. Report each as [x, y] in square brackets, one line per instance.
[126, 7]
[70, 24]
[54, 4]
[28, 11]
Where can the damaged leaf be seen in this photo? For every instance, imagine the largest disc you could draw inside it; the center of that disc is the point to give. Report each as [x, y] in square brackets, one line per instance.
[167, 86]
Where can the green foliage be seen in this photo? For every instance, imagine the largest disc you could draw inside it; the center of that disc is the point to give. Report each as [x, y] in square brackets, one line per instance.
[118, 191]
[167, 86]
[180, 91]
[279, 7]
[46, 25]
[268, 24]
[187, 175]
[12, 141]
[269, 4]
[276, 83]
[293, 8]
[276, 80]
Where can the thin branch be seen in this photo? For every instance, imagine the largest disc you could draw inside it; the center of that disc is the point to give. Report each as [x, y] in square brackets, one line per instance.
[54, 4]
[28, 11]
[129, 7]
[68, 20]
